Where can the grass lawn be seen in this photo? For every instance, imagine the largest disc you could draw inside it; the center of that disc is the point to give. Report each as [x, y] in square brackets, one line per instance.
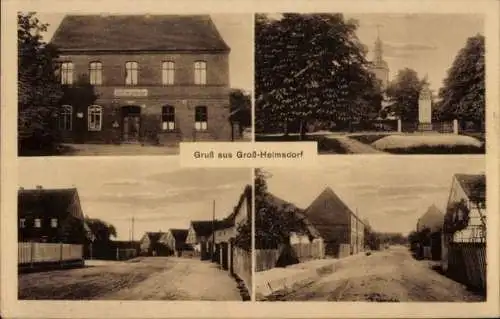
[325, 145]
[430, 144]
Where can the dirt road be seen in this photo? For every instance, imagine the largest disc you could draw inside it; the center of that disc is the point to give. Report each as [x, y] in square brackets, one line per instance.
[389, 275]
[152, 278]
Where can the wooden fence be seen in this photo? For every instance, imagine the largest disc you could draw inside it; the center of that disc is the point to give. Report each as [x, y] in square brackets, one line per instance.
[266, 259]
[34, 253]
[307, 251]
[242, 265]
[466, 263]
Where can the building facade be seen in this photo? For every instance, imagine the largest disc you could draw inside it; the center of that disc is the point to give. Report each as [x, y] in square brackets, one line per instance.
[339, 227]
[155, 79]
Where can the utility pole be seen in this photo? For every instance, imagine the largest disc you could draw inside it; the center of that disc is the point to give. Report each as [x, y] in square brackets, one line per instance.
[213, 229]
[133, 221]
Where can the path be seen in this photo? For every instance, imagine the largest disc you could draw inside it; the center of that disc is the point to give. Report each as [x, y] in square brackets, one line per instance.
[150, 278]
[390, 275]
[353, 146]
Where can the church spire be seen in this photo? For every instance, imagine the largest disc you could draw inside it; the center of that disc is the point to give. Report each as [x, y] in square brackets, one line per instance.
[378, 52]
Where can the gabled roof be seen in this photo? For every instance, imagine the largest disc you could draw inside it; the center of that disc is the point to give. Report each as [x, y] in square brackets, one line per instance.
[432, 219]
[282, 204]
[137, 33]
[180, 235]
[154, 237]
[474, 186]
[52, 202]
[324, 218]
[206, 227]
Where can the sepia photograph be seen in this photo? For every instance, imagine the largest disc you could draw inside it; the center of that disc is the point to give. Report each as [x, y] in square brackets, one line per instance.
[371, 83]
[399, 229]
[102, 84]
[89, 232]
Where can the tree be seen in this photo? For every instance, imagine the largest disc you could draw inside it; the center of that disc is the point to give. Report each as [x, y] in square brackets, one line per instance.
[370, 236]
[101, 230]
[403, 94]
[241, 108]
[463, 93]
[273, 221]
[39, 90]
[310, 68]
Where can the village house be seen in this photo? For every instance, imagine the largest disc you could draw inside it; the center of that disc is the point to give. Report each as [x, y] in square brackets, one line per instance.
[432, 222]
[463, 253]
[227, 229]
[199, 237]
[51, 216]
[156, 79]
[340, 228]
[153, 244]
[175, 240]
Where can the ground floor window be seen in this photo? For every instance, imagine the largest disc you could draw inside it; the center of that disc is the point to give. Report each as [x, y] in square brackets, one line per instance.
[200, 118]
[65, 118]
[95, 118]
[168, 118]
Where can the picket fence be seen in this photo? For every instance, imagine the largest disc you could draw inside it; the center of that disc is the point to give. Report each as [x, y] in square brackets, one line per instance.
[242, 266]
[33, 253]
[268, 258]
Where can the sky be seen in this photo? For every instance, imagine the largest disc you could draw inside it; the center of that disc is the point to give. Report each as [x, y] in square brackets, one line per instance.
[235, 29]
[427, 43]
[154, 190]
[392, 192]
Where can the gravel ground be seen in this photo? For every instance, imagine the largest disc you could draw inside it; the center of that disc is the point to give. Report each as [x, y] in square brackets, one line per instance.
[391, 275]
[154, 278]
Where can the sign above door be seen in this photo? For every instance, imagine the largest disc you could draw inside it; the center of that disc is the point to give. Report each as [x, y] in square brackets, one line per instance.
[130, 92]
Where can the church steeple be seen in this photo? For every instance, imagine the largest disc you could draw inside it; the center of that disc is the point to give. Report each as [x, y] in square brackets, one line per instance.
[378, 52]
[379, 66]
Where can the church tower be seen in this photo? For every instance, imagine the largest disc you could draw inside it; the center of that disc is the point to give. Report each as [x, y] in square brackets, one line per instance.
[380, 67]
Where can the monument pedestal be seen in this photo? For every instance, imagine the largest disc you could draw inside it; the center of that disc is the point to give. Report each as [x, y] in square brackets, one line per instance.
[424, 127]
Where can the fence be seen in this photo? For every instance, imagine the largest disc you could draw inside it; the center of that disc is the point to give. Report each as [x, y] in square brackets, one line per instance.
[266, 259]
[242, 265]
[306, 251]
[32, 253]
[466, 263]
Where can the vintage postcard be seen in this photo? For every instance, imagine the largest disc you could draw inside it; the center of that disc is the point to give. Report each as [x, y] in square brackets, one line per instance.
[250, 159]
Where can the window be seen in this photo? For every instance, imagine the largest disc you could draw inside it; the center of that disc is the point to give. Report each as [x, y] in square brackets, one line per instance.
[38, 223]
[66, 73]
[22, 222]
[131, 70]
[200, 72]
[167, 72]
[200, 118]
[53, 222]
[168, 118]
[65, 118]
[95, 73]
[95, 118]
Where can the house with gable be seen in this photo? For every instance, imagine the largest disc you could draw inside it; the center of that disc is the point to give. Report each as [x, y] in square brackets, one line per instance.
[175, 240]
[51, 216]
[198, 237]
[341, 229]
[432, 223]
[150, 79]
[154, 244]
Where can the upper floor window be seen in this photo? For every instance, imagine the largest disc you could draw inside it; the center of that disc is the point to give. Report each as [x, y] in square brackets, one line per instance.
[53, 222]
[95, 118]
[168, 118]
[167, 72]
[95, 73]
[200, 72]
[38, 223]
[65, 118]
[200, 118]
[22, 222]
[66, 73]
[131, 72]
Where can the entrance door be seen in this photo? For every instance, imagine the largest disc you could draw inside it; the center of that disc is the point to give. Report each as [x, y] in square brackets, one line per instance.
[131, 123]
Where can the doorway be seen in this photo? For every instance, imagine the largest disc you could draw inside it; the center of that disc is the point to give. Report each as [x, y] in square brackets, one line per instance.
[131, 117]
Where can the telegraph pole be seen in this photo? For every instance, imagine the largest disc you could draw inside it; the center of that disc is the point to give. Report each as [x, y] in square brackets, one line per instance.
[133, 221]
[213, 229]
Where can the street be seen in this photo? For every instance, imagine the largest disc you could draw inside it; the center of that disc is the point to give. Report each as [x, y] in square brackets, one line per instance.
[389, 275]
[148, 278]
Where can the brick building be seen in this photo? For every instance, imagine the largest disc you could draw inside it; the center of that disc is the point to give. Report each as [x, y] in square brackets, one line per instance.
[338, 225]
[143, 78]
